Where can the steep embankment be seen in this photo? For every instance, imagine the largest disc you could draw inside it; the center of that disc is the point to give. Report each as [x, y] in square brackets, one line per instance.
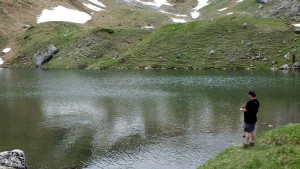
[218, 43]
[78, 48]
[278, 148]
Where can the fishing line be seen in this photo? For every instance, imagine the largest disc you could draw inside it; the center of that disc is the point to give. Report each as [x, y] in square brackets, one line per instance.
[229, 93]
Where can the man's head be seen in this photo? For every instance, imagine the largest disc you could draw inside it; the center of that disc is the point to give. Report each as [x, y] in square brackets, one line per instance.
[252, 94]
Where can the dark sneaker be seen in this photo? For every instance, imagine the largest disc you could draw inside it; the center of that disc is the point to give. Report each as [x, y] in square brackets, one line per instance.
[246, 145]
[251, 144]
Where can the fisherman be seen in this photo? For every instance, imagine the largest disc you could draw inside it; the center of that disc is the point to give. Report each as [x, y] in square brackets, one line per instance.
[250, 119]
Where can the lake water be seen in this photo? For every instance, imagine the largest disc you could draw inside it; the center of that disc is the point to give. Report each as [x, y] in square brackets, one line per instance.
[135, 119]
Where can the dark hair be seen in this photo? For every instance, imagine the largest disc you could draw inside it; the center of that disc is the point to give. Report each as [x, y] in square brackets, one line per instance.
[252, 93]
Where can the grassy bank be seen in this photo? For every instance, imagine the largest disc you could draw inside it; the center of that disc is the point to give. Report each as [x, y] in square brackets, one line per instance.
[218, 43]
[78, 47]
[278, 148]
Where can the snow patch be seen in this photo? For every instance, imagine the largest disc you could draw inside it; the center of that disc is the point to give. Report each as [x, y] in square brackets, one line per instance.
[6, 50]
[230, 13]
[92, 7]
[61, 13]
[148, 27]
[223, 9]
[201, 3]
[97, 3]
[297, 25]
[1, 61]
[157, 3]
[175, 20]
[239, 0]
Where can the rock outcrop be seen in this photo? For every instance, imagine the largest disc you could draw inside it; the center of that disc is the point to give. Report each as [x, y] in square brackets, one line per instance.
[14, 159]
[42, 57]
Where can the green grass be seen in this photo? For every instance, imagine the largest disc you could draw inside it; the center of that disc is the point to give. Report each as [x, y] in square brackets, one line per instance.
[189, 45]
[278, 148]
[2, 41]
[78, 47]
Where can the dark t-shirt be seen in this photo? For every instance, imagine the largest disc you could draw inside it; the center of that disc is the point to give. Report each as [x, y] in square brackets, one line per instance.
[252, 109]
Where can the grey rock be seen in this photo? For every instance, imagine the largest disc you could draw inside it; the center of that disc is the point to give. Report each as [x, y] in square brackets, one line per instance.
[295, 10]
[287, 56]
[261, 6]
[42, 57]
[262, 1]
[212, 52]
[296, 66]
[284, 67]
[12, 159]
[245, 25]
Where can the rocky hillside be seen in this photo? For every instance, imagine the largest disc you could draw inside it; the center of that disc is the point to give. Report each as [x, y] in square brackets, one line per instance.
[131, 33]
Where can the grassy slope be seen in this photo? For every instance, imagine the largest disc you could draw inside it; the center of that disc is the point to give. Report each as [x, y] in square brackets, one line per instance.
[278, 148]
[78, 48]
[189, 45]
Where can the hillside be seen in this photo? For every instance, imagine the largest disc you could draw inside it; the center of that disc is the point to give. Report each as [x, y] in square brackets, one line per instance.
[219, 43]
[213, 39]
[278, 148]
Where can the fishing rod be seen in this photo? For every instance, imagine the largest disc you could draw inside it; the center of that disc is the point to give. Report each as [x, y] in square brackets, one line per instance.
[230, 93]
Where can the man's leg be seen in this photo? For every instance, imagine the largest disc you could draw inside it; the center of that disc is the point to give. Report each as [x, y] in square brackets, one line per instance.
[247, 137]
[252, 136]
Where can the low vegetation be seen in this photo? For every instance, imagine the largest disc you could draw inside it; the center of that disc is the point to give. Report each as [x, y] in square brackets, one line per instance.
[220, 43]
[278, 148]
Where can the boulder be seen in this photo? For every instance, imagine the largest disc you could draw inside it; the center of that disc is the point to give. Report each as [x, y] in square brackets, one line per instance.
[245, 25]
[295, 10]
[262, 1]
[296, 66]
[284, 67]
[212, 52]
[42, 57]
[14, 159]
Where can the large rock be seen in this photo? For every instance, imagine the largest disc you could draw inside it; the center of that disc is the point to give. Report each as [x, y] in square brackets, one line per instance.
[262, 1]
[296, 66]
[284, 67]
[14, 159]
[42, 57]
[295, 10]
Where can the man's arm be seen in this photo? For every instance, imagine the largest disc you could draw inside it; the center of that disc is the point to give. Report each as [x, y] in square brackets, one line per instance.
[243, 109]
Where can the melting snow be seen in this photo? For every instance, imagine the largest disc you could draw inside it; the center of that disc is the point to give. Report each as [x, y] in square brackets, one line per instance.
[157, 3]
[201, 3]
[175, 20]
[1, 61]
[230, 13]
[223, 9]
[297, 25]
[96, 2]
[92, 7]
[61, 13]
[239, 0]
[148, 27]
[6, 50]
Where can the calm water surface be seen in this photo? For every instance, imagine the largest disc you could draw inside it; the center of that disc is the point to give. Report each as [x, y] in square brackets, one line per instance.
[135, 119]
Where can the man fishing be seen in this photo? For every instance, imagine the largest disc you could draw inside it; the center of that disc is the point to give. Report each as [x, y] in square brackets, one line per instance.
[250, 119]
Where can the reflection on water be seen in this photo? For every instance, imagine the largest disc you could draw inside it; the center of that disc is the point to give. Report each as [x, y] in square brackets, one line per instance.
[135, 119]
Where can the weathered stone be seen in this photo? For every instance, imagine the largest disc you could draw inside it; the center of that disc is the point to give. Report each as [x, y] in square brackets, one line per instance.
[42, 57]
[261, 6]
[245, 25]
[287, 56]
[262, 1]
[295, 10]
[212, 52]
[12, 159]
[284, 67]
[296, 66]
